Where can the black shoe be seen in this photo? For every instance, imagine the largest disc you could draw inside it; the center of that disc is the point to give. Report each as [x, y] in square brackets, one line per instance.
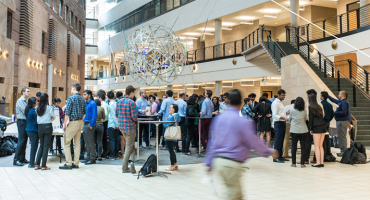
[90, 162]
[25, 161]
[84, 161]
[321, 165]
[278, 161]
[75, 166]
[285, 159]
[100, 159]
[178, 151]
[340, 154]
[31, 166]
[65, 166]
[82, 158]
[17, 163]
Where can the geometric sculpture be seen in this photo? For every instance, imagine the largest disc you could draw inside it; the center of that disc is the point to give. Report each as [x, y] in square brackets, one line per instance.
[155, 55]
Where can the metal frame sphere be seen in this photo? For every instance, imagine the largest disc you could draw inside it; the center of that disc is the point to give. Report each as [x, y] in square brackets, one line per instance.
[155, 55]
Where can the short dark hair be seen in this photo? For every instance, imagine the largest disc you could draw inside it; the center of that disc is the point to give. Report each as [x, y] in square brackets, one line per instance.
[263, 98]
[191, 100]
[246, 100]
[325, 94]
[88, 92]
[101, 94]
[98, 102]
[195, 95]
[155, 94]
[160, 100]
[275, 96]
[110, 94]
[23, 90]
[265, 95]
[281, 91]
[181, 94]
[169, 93]
[252, 95]
[200, 96]
[151, 96]
[235, 97]
[176, 107]
[57, 100]
[227, 95]
[77, 86]
[292, 101]
[299, 104]
[209, 93]
[129, 89]
[38, 94]
[119, 94]
[311, 91]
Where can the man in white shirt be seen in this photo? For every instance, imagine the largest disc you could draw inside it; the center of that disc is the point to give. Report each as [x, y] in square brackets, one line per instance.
[280, 117]
[288, 108]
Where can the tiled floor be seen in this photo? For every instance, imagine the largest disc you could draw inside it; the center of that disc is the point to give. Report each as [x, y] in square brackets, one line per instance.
[263, 180]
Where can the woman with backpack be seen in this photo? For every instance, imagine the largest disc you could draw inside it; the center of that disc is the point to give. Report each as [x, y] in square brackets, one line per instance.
[317, 128]
[298, 129]
[32, 129]
[170, 143]
[45, 115]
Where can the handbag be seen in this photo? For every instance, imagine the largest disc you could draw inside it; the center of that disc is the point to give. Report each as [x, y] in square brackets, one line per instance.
[173, 132]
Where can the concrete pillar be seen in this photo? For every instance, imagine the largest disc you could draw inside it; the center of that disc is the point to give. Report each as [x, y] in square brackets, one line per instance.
[50, 83]
[95, 68]
[137, 93]
[294, 19]
[218, 88]
[218, 38]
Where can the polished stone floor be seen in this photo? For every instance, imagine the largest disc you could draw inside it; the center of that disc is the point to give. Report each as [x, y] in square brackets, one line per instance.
[263, 180]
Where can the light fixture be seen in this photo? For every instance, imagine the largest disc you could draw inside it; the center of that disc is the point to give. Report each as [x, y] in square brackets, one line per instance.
[41, 66]
[29, 62]
[227, 24]
[33, 63]
[270, 10]
[192, 33]
[249, 23]
[6, 54]
[177, 85]
[195, 68]
[246, 84]
[192, 88]
[179, 89]
[188, 38]
[228, 86]
[37, 65]
[116, 79]
[228, 29]
[208, 34]
[270, 16]
[207, 29]
[208, 87]
[246, 18]
[124, 78]
[1, 51]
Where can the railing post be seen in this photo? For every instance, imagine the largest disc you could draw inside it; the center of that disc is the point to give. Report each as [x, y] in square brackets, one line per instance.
[320, 61]
[235, 47]
[367, 81]
[204, 53]
[338, 74]
[332, 72]
[307, 31]
[274, 51]
[243, 40]
[253, 38]
[262, 35]
[350, 69]
[341, 24]
[224, 49]
[249, 41]
[323, 27]
[354, 96]
[325, 75]
[308, 51]
[214, 53]
[358, 18]
[257, 36]
[297, 42]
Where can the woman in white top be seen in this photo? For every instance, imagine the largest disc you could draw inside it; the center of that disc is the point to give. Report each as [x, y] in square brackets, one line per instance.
[45, 115]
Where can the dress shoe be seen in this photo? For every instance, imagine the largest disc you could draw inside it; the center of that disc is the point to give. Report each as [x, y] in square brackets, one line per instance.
[313, 161]
[65, 166]
[285, 159]
[321, 165]
[178, 151]
[75, 166]
[340, 154]
[25, 161]
[31, 166]
[17, 163]
[278, 161]
[303, 166]
[84, 161]
[90, 162]
[287, 156]
[293, 165]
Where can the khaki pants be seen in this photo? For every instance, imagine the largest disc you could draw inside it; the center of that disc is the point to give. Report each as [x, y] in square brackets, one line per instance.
[130, 149]
[230, 172]
[73, 131]
[286, 141]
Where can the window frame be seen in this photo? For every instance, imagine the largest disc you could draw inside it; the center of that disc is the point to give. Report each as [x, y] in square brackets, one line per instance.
[9, 24]
[61, 8]
[43, 42]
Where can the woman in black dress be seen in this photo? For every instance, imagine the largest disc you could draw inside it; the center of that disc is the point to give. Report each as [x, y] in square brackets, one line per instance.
[262, 110]
[317, 128]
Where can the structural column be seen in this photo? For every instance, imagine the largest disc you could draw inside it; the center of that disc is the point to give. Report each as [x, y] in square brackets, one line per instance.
[218, 88]
[294, 7]
[95, 69]
[50, 83]
[218, 38]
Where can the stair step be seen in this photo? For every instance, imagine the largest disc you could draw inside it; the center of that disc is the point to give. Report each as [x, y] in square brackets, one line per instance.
[363, 137]
[363, 129]
[363, 122]
[364, 142]
[360, 109]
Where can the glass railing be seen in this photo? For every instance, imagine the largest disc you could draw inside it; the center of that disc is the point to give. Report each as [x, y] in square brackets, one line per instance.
[105, 73]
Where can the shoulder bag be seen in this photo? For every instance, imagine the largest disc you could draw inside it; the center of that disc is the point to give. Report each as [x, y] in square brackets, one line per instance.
[173, 132]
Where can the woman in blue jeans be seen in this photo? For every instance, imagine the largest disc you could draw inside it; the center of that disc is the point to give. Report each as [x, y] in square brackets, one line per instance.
[170, 143]
[32, 129]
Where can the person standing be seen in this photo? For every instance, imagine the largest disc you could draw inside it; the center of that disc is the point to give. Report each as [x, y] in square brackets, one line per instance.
[262, 110]
[99, 130]
[343, 118]
[175, 117]
[153, 110]
[20, 152]
[113, 128]
[38, 95]
[156, 100]
[226, 153]
[246, 111]
[225, 104]
[190, 122]
[317, 128]
[89, 127]
[279, 117]
[75, 112]
[126, 114]
[253, 104]
[329, 115]
[309, 137]
[142, 104]
[287, 131]
[298, 129]
[182, 112]
[102, 96]
[58, 145]
[206, 111]
[45, 115]
[216, 105]
[165, 109]
[32, 129]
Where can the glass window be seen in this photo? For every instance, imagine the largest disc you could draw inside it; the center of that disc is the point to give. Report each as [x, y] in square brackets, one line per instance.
[47, 1]
[169, 5]
[71, 19]
[79, 27]
[9, 25]
[75, 25]
[83, 31]
[66, 14]
[55, 5]
[42, 42]
[61, 8]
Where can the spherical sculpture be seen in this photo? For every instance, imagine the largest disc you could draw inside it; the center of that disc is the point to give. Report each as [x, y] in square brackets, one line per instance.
[155, 55]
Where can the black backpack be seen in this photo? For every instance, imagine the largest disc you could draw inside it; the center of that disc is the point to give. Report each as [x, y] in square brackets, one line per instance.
[350, 156]
[149, 167]
[360, 148]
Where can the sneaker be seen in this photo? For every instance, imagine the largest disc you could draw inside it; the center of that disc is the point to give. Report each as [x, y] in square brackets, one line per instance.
[132, 168]
[116, 158]
[111, 158]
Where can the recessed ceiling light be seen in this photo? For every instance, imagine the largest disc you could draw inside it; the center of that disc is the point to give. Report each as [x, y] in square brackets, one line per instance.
[246, 17]
[250, 23]
[271, 10]
[227, 24]
[276, 23]
[229, 29]
[192, 33]
[207, 29]
[270, 16]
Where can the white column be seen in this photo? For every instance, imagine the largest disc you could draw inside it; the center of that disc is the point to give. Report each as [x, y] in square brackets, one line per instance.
[137, 93]
[95, 68]
[294, 19]
[50, 83]
[218, 88]
[218, 38]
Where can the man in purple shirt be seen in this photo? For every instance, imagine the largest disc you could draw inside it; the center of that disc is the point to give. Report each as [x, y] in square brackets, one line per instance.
[227, 152]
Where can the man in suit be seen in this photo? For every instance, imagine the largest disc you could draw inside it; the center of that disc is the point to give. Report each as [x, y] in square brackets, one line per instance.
[253, 104]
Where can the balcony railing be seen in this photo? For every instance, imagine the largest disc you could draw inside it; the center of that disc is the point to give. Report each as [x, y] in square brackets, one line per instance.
[343, 23]
[105, 73]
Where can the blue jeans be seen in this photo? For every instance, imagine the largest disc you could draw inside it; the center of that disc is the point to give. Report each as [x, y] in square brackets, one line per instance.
[279, 137]
[114, 142]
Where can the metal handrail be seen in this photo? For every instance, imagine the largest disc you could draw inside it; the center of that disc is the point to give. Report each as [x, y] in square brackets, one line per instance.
[274, 41]
[327, 60]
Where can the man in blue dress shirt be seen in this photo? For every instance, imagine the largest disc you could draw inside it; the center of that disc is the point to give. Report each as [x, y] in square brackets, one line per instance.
[182, 112]
[165, 109]
[206, 111]
[89, 126]
[141, 105]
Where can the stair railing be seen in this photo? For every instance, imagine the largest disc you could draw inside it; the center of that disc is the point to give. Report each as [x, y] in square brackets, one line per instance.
[325, 64]
[272, 46]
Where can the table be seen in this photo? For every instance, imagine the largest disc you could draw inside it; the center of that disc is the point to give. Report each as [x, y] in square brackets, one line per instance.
[58, 132]
[157, 123]
[199, 129]
[138, 143]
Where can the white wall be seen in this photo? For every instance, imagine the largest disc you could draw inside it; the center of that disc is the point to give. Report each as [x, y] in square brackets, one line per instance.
[360, 41]
[208, 71]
